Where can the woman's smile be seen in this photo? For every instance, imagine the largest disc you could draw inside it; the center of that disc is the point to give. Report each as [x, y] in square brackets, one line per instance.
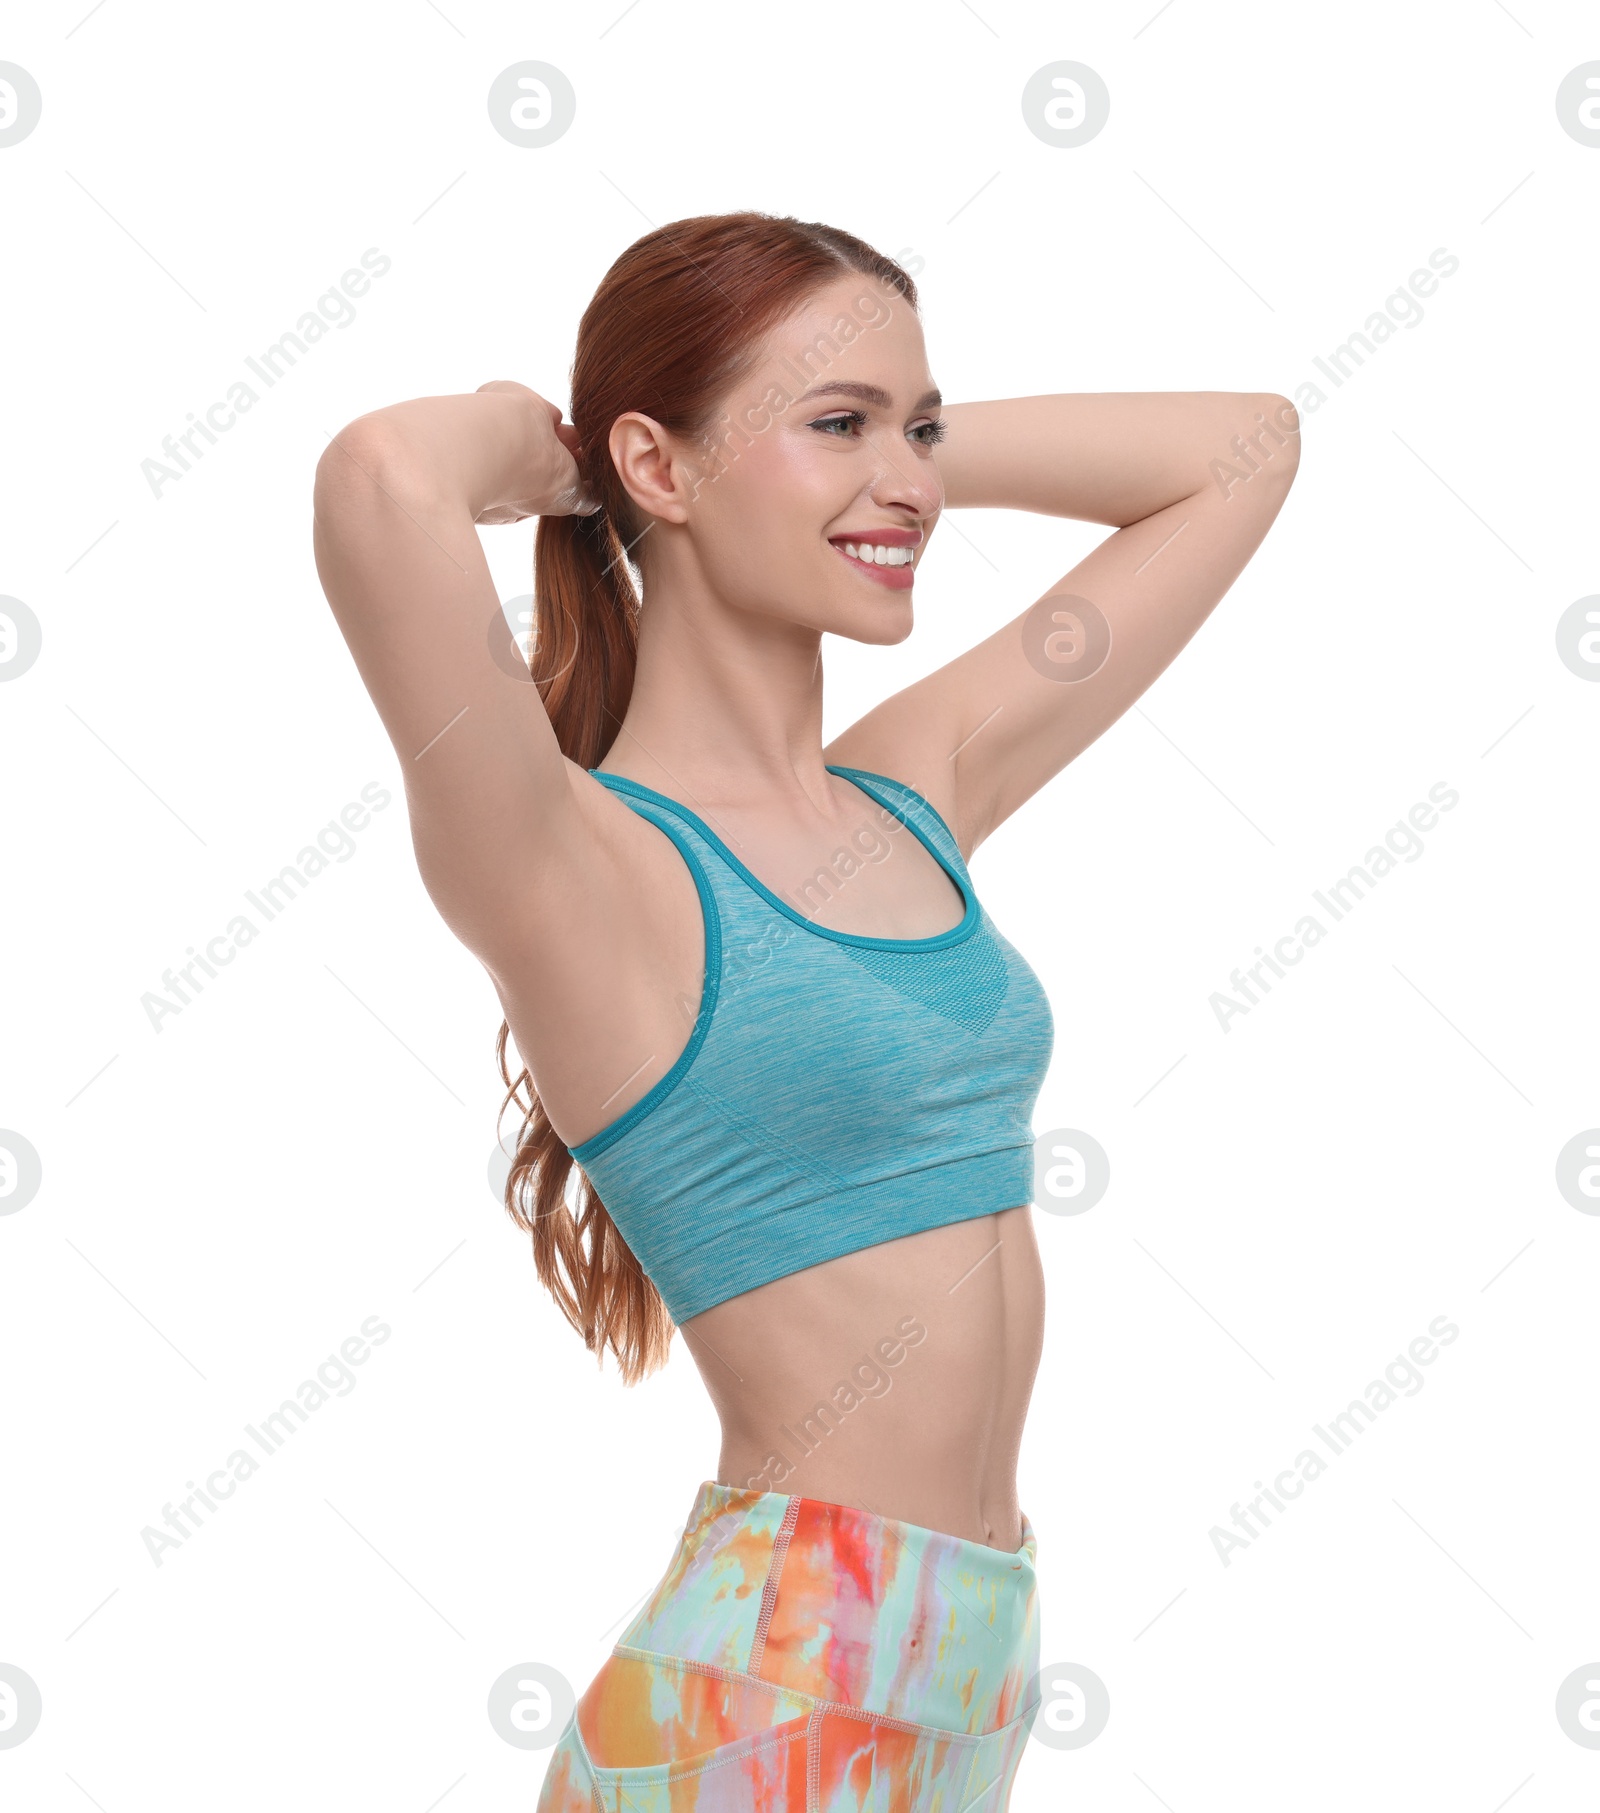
[885, 556]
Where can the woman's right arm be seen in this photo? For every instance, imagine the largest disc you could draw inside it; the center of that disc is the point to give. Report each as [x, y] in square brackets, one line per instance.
[582, 912]
[492, 800]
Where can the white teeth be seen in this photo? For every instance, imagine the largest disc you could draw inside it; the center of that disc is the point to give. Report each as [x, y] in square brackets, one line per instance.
[878, 555]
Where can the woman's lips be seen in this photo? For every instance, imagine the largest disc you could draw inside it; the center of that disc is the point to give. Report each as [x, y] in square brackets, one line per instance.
[897, 579]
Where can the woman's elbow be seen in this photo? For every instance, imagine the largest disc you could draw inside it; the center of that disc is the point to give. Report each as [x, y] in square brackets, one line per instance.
[1279, 438]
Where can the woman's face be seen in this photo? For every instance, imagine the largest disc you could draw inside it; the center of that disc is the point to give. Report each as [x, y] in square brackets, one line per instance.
[827, 441]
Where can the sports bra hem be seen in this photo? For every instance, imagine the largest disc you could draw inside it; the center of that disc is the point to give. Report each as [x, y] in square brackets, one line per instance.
[972, 915]
[1005, 1171]
[709, 990]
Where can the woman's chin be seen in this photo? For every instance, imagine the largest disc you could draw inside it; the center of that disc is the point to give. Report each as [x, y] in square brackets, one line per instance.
[882, 628]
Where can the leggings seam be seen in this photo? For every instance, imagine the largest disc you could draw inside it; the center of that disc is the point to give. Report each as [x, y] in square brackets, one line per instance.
[834, 1708]
[762, 1741]
[769, 1590]
[774, 1688]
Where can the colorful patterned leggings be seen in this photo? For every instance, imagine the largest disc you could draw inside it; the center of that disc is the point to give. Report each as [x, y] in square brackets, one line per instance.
[801, 1657]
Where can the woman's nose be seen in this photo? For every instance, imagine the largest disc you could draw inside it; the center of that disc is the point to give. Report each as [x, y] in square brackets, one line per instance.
[908, 485]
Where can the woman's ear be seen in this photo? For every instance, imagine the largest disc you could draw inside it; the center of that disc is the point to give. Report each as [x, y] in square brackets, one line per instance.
[651, 466]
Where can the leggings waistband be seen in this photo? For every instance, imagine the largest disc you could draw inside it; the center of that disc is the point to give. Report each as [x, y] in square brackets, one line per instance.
[848, 1607]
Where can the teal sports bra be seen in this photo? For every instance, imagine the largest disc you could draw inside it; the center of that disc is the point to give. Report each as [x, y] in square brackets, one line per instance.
[836, 1090]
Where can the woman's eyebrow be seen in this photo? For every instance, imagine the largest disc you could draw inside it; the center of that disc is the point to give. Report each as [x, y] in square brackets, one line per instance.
[868, 393]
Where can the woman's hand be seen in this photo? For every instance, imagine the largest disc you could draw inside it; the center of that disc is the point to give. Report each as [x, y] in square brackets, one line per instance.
[499, 453]
[545, 480]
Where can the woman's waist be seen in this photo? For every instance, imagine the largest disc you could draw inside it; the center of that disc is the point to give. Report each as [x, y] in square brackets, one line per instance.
[940, 1487]
[915, 1356]
[931, 1437]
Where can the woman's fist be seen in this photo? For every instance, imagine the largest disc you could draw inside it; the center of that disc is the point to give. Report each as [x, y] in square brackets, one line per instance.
[546, 482]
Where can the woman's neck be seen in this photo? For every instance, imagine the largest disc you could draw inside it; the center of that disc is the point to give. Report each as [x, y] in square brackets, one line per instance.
[725, 702]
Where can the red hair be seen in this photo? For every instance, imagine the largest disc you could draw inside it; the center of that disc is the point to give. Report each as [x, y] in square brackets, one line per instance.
[675, 323]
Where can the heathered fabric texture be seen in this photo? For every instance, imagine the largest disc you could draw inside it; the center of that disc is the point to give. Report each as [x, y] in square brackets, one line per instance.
[836, 1091]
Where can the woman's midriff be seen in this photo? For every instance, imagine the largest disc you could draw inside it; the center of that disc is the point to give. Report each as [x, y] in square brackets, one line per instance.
[895, 1379]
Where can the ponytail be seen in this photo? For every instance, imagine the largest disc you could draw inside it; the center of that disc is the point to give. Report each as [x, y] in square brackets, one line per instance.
[586, 606]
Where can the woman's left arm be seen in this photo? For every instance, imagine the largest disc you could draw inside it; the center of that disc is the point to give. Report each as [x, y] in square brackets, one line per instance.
[1190, 480]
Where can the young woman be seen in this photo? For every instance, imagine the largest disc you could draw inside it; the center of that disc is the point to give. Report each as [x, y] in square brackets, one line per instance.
[765, 1020]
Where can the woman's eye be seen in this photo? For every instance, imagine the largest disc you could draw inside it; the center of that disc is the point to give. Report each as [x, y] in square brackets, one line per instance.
[927, 434]
[852, 418]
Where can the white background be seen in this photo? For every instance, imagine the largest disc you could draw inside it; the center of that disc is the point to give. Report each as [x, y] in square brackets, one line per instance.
[305, 1145]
